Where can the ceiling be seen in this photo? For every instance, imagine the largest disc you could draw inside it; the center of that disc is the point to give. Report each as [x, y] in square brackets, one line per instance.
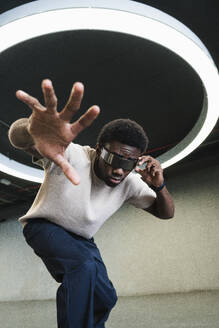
[166, 100]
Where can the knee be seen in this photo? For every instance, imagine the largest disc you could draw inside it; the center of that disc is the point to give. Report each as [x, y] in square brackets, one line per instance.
[114, 298]
[111, 300]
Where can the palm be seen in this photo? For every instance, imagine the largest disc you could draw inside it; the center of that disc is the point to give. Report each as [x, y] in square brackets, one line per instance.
[52, 131]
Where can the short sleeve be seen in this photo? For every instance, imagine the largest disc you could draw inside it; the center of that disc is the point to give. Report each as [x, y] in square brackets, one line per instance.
[75, 154]
[141, 195]
[42, 162]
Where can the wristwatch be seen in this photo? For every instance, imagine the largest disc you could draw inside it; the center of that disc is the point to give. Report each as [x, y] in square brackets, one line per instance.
[157, 189]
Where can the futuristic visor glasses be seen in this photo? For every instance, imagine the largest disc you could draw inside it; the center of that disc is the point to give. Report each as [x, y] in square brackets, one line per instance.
[117, 161]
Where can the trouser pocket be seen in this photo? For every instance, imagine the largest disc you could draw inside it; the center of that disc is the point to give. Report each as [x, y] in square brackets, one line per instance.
[37, 233]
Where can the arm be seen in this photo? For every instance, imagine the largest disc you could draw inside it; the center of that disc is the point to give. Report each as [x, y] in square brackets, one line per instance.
[47, 132]
[163, 206]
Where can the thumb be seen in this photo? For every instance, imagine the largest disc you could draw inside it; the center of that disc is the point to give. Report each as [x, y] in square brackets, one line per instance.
[138, 170]
[67, 169]
[144, 174]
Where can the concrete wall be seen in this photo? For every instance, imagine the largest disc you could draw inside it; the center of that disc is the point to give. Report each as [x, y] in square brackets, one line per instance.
[144, 255]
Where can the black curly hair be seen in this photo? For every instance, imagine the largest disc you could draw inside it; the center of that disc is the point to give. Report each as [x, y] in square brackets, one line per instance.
[125, 131]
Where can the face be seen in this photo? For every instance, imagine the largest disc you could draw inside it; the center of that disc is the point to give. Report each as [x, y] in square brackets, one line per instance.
[113, 176]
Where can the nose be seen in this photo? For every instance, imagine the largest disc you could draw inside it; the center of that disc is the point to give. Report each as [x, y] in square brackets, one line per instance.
[118, 171]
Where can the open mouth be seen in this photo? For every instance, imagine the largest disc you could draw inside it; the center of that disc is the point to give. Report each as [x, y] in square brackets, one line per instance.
[115, 180]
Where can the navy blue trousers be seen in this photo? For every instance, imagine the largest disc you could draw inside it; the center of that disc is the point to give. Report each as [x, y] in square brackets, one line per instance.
[86, 295]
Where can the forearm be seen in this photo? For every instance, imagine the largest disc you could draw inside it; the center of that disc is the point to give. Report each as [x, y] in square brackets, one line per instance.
[163, 206]
[152, 174]
[19, 136]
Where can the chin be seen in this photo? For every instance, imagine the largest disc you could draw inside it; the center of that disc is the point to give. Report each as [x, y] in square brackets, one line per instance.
[110, 184]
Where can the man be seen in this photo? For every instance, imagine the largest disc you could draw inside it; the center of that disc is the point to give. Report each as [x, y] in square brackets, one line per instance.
[82, 188]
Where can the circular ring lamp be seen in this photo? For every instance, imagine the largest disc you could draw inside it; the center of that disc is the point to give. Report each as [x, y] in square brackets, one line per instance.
[127, 17]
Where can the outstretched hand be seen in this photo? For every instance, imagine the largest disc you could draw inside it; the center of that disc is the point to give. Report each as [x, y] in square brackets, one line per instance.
[51, 130]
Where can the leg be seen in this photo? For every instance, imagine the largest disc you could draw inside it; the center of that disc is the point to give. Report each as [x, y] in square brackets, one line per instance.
[77, 263]
[75, 298]
[69, 260]
[105, 296]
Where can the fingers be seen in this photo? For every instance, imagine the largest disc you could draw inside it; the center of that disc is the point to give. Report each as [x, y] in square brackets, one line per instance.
[85, 120]
[30, 101]
[74, 102]
[34, 104]
[49, 96]
[152, 168]
[154, 171]
[151, 163]
[143, 159]
[67, 169]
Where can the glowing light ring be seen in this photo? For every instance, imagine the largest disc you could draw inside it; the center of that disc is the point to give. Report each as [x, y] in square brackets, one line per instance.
[162, 31]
